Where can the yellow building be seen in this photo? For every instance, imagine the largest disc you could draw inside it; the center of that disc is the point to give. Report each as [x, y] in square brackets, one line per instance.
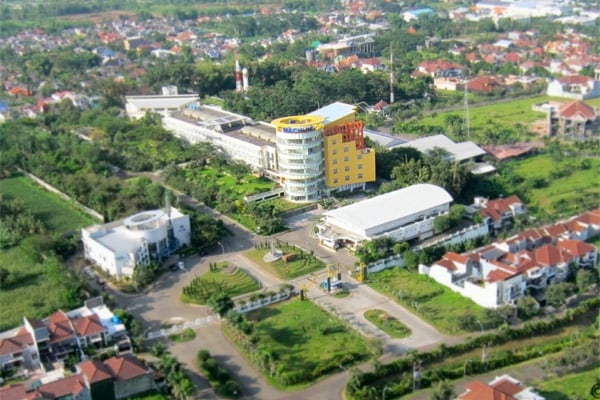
[322, 152]
[349, 163]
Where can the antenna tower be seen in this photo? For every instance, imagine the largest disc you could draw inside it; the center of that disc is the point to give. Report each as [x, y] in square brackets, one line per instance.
[466, 127]
[391, 75]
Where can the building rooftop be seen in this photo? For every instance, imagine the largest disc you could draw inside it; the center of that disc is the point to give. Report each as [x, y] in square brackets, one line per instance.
[334, 111]
[383, 139]
[458, 151]
[398, 204]
[161, 101]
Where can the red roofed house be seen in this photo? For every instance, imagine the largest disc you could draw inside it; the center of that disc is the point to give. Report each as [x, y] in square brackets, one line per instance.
[117, 377]
[574, 119]
[439, 68]
[504, 387]
[73, 387]
[63, 340]
[18, 351]
[576, 87]
[483, 84]
[498, 211]
[585, 255]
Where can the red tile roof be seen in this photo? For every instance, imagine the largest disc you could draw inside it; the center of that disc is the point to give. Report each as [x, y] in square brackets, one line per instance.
[95, 371]
[576, 248]
[13, 392]
[590, 217]
[15, 344]
[574, 80]
[550, 255]
[507, 387]
[477, 390]
[125, 367]
[87, 326]
[449, 265]
[60, 327]
[498, 275]
[495, 208]
[577, 109]
[73, 384]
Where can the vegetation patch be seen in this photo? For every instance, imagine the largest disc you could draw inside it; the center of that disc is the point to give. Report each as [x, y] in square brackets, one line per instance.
[449, 312]
[296, 342]
[218, 376]
[184, 336]
[303, 264]
[554, 185]
[573, 386]
[220, 278]
[56, 214]
[387, 323]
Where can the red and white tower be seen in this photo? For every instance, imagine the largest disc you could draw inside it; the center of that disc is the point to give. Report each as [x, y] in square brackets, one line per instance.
[238, 76]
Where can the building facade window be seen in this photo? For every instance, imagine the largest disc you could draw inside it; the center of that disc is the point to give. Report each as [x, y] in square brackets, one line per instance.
[346, 149]
[347, 178]
[346, 159]
[335, 181]
[360, 166]
[360, 176]
[335, 170]
[346, 168]
[335, 161]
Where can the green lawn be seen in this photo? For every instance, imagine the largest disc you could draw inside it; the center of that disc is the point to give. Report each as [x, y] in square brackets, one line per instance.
[233, 280]
[387, 323]
[35, 288]
[149, 396]
[302, 265]
[573, 386]
[430, 300]
[305, 341]
[57, 214]
[560, 188]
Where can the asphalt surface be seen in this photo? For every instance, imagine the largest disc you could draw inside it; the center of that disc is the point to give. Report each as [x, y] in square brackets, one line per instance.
[161, 305]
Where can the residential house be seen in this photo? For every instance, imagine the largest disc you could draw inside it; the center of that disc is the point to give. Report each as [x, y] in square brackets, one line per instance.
[73, 387]
[117, 377]
[504, 387]
[574, 87]
[18, 351]
[439, 68]
[499, 211]
[483, 84]
[573, 119]
[502, 272]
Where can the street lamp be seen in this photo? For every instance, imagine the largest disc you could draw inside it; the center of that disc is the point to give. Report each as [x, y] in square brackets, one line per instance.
[223, 249]
[480, 325]
[385, 389]
[467, 362]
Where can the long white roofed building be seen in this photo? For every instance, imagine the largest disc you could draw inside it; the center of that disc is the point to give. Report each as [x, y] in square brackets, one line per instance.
[402, 215]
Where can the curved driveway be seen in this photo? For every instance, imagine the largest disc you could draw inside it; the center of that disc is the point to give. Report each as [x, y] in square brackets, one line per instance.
[161, 305]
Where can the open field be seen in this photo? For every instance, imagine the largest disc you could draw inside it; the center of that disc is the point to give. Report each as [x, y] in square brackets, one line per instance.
[302, 265]
[560, 188]
[56, 214]
[387, 323]
[36, 288]
[430, 300]
[305, 340]
[573, 386]
[230, 279]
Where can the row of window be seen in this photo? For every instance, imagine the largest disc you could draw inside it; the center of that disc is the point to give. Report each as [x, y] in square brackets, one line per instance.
[359, 156]
[346, 178]
[346, 168]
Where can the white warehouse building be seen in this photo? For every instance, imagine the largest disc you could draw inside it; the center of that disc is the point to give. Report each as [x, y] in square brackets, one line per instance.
[402, 215]
[120, 246]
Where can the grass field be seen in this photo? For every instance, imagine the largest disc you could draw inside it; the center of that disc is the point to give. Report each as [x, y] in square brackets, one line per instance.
[302, 265]
[573, 386]
[303, 337]
[57, 215]
[387, 323]
[35, 288]
[560, 188]
[430, 300]
[232, 280]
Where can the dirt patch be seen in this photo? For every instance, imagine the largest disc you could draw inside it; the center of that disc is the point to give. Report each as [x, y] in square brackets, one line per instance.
[98, 17]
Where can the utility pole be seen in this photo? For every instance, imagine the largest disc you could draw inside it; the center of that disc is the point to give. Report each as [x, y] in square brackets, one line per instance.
[391, 75]
[466, 127]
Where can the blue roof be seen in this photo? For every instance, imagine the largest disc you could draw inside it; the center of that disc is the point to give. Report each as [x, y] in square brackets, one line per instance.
[3, 106]
[334, 111]
[421, 11]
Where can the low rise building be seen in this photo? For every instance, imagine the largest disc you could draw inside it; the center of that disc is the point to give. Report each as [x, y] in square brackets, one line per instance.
[118, 247]
[503, 387]
[402, 215]
[504, 271]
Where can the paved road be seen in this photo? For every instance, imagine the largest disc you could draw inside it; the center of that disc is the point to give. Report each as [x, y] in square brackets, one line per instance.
[161, 305]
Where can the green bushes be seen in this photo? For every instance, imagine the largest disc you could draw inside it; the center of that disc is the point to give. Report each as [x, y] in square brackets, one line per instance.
[218, 376]
[400, 370]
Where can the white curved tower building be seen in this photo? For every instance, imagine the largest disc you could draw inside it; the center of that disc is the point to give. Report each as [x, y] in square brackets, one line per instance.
[300, 152]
